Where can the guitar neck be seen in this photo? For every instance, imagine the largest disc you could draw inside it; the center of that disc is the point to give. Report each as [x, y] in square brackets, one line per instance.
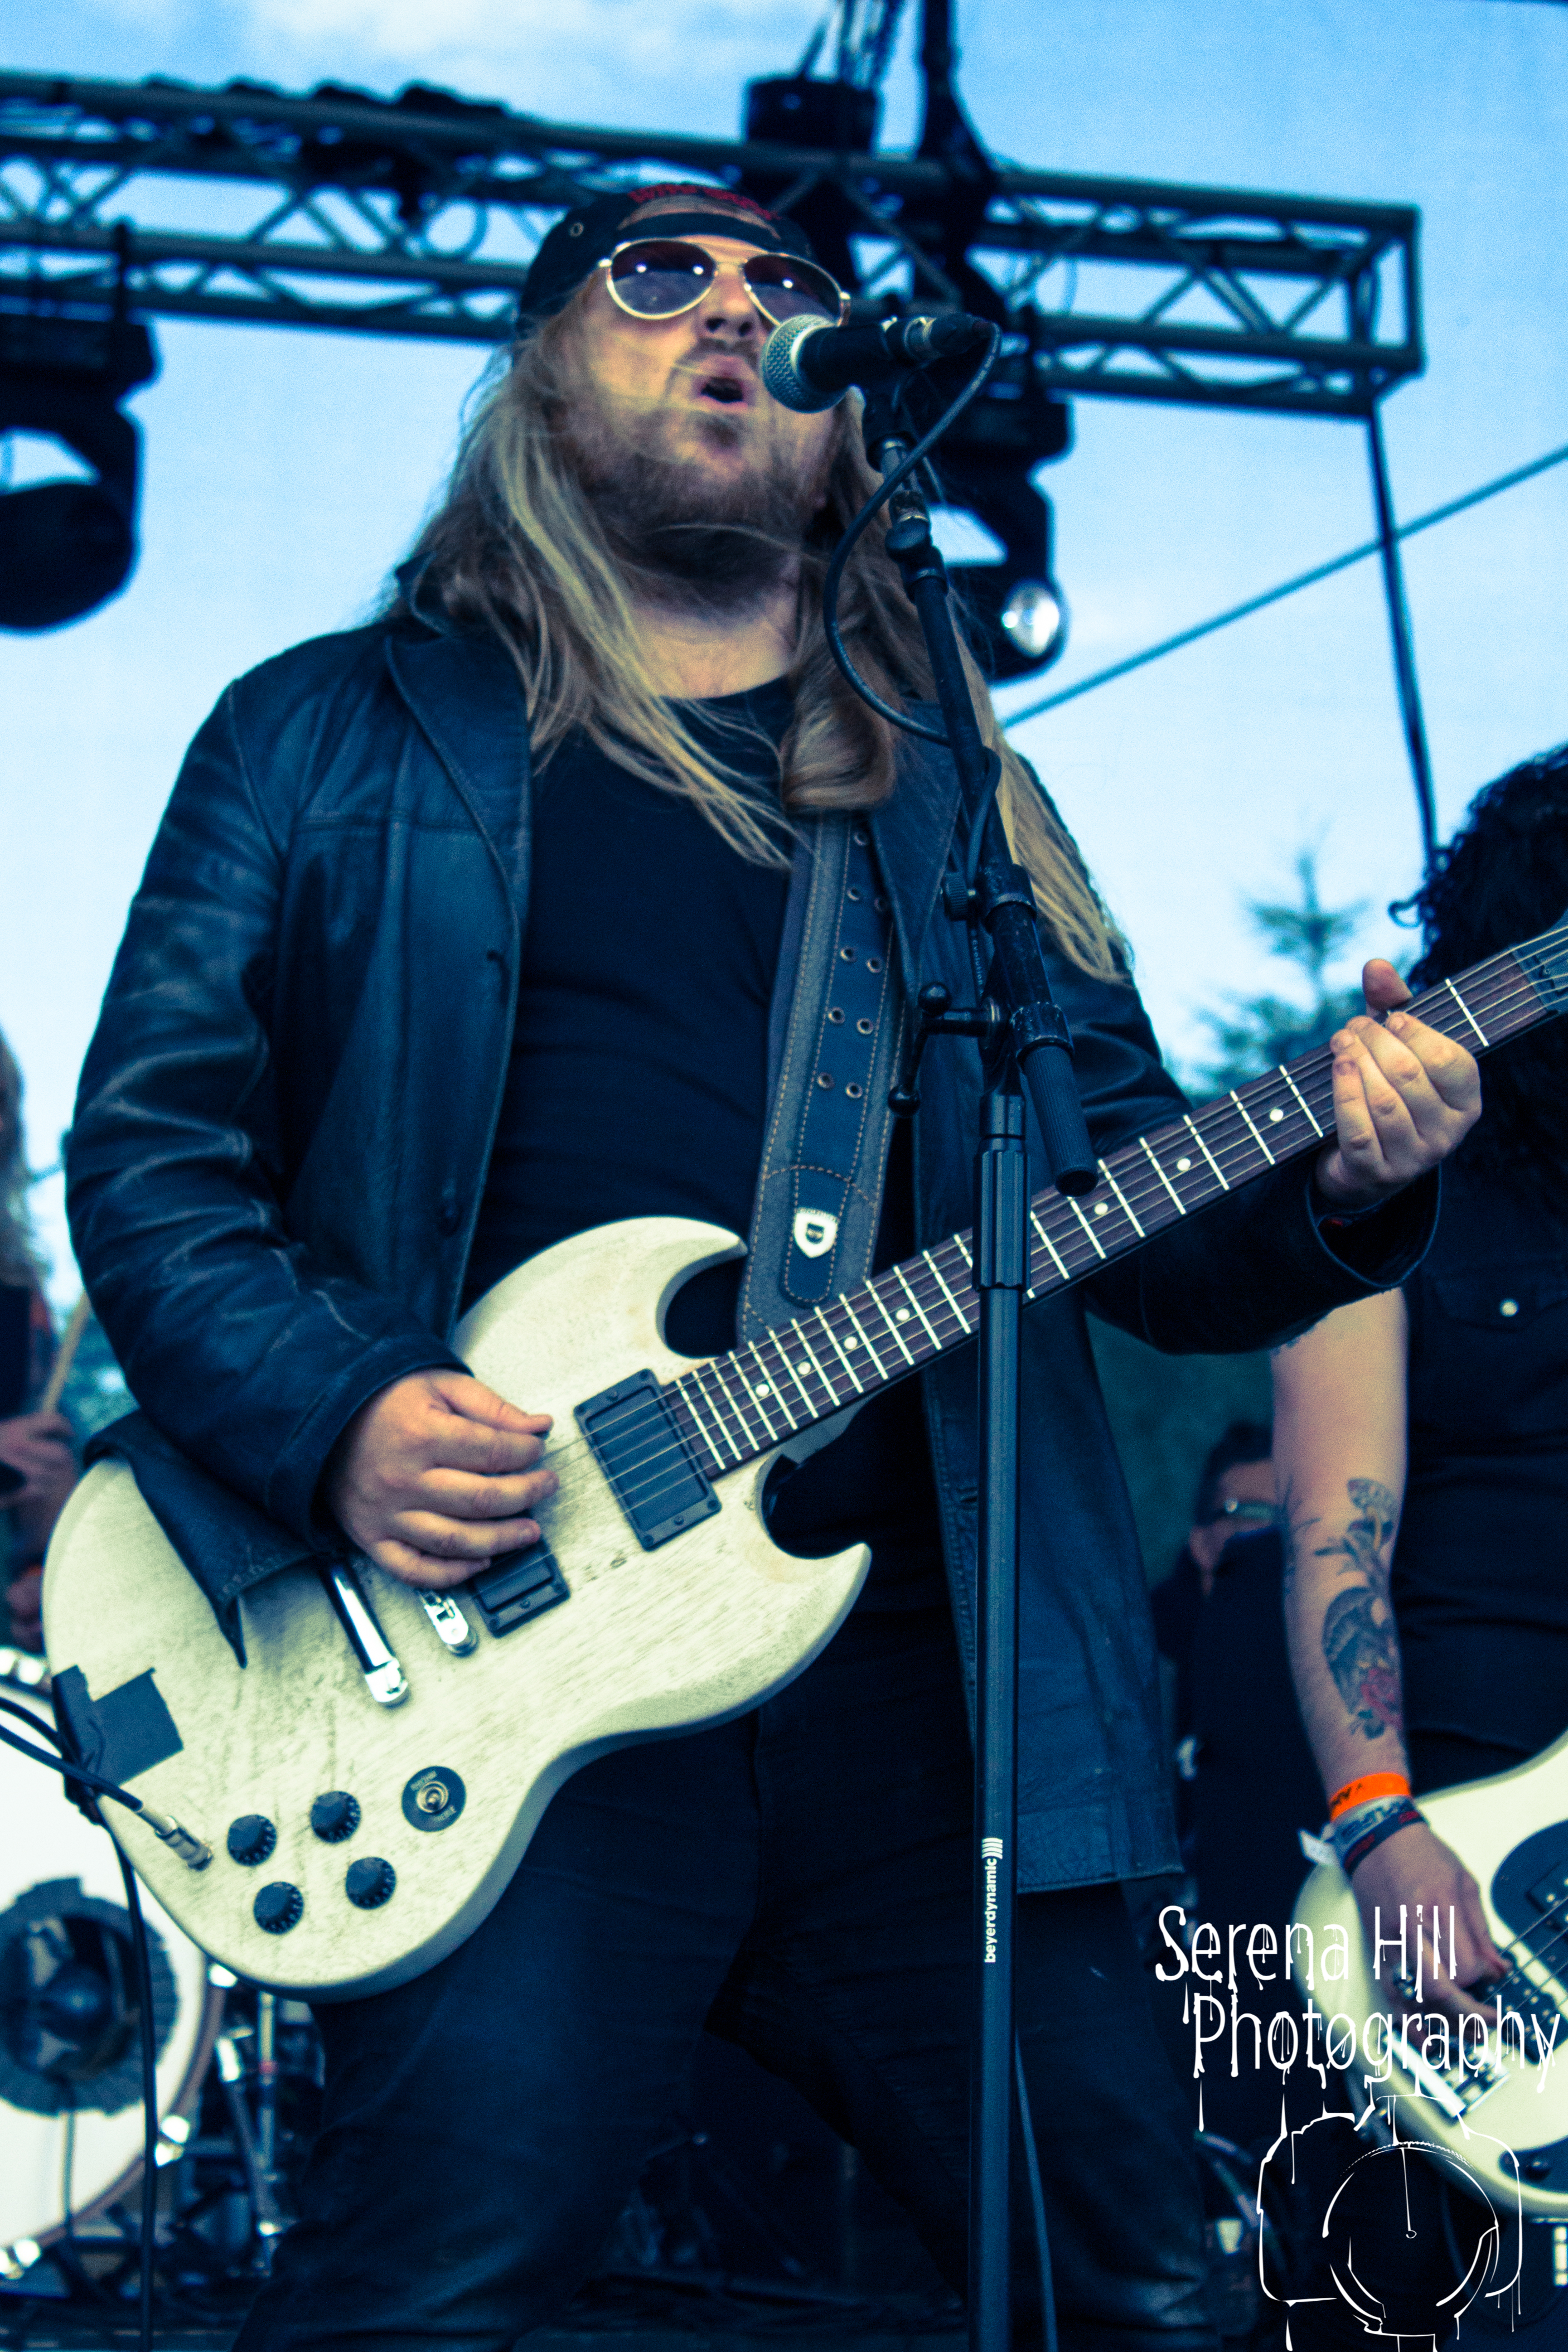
[735, 1407]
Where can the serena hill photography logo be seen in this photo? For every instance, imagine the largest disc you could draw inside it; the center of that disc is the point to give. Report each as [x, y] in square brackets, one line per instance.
[1441, 2132]
[1410, 2239]
[1452, 2060]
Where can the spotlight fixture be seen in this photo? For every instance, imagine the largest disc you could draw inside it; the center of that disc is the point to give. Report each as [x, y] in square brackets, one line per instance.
[66, 547]
[1036, 622]
[1019, 613]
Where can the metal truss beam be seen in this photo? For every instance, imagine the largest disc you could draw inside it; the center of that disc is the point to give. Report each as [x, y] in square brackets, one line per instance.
[418, 218]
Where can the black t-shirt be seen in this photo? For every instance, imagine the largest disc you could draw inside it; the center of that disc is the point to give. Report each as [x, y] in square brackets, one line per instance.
[638, 1087]
[1481, 1570]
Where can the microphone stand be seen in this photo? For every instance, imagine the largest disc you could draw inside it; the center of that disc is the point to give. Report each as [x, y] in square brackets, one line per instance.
[1025, 1042]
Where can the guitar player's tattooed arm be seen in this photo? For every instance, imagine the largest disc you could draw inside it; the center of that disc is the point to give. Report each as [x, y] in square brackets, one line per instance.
[1339, 1461]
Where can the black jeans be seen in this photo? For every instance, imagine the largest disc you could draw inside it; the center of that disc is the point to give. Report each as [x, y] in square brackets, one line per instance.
[797, 1880]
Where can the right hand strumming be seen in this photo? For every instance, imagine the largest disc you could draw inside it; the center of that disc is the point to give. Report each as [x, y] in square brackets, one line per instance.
[436, 1474]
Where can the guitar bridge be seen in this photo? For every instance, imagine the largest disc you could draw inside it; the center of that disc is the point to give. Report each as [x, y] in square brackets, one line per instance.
[638, 1445]
[516, 1587]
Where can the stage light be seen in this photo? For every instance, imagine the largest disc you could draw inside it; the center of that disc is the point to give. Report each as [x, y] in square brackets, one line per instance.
[1019, 615]
[66, 547]
[1035, 621]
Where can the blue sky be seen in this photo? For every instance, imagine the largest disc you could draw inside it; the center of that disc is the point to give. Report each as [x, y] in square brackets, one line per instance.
[285, 473]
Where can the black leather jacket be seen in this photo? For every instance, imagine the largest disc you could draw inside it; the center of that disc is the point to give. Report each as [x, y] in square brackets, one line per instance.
[286, 1117]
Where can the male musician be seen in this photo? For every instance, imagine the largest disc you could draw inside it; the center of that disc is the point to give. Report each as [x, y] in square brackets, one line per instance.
[475, 929]
[1422, 1447]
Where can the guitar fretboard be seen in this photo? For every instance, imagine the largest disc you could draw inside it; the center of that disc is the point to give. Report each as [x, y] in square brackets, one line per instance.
[735, 1407]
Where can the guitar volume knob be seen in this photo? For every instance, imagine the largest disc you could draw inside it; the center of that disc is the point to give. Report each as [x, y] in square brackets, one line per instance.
[278, 1907]
[335, 1815]
[251, 1839]
[370, 1881]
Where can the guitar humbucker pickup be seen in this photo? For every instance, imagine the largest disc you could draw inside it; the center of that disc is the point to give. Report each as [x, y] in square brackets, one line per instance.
[640, 1446]
[516, 1587]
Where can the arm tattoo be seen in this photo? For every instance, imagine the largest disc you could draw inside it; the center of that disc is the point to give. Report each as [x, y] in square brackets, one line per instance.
[1361, 1640]
[1294, 1530]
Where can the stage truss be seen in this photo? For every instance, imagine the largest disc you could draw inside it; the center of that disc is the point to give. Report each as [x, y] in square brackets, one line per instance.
[419, 217]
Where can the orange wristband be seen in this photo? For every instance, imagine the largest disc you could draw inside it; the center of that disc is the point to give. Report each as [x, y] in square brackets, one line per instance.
[1361, 1791]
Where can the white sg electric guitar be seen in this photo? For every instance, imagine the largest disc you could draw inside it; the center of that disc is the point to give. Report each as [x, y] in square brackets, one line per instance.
[369, 1781]
[1503, 2120]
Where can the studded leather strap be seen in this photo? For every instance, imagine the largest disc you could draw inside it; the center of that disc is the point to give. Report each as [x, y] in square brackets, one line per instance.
[833, 1125]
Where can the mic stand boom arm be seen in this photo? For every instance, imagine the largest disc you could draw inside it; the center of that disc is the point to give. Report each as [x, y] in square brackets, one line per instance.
[1025, 1041]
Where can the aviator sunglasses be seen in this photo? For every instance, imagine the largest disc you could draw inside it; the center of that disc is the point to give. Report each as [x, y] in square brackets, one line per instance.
[659, 277]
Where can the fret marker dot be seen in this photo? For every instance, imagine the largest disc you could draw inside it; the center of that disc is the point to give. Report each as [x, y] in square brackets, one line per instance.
[1182, 1166]
[1102, 1208]
[1508, 1307]
[803, 1367]
[850, 1343]
[900, 1314]
[762, 1388]
[1275, 1117]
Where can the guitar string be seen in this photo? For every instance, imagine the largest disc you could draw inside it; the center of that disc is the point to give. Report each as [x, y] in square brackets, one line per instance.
[1313, 1066]
[751, 1416]
[733, 1415]
[1147, 1190]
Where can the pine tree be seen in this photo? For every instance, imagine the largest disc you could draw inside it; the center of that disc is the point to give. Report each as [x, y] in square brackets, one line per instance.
[1254, 1032]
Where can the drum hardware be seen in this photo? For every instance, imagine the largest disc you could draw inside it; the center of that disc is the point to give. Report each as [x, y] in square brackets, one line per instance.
[256, 2143]
[69, 2009]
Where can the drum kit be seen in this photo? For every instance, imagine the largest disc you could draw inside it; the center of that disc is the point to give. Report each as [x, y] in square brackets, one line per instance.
[750, 2197]
[71, 2119]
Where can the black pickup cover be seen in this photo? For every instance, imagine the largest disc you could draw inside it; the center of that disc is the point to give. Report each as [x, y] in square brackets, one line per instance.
[516, 1587]
[638, 1446]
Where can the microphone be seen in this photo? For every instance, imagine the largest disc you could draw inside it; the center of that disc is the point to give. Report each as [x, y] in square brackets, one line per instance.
[808, 365]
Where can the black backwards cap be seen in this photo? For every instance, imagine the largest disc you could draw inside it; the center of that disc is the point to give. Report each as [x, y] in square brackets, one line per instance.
[581, 239]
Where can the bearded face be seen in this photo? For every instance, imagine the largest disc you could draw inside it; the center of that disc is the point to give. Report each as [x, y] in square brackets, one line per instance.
[704, 486]
[691, 530]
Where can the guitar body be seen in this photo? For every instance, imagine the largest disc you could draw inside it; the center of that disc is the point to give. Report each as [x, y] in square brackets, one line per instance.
[700, 1628]
[1511, 1832]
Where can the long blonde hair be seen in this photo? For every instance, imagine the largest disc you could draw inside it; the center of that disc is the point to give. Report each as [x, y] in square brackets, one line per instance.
[516, 548]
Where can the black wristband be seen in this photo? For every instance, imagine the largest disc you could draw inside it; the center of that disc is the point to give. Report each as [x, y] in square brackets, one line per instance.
[1404, 1816]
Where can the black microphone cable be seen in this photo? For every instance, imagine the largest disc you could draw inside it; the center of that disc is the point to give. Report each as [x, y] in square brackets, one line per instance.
[144, 1960]
[830, 588]
[856, 531]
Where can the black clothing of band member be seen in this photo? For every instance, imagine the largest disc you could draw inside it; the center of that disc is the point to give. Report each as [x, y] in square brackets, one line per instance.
[1481, 1568]
[799, 1881]
[355, 835]
[638, 1087]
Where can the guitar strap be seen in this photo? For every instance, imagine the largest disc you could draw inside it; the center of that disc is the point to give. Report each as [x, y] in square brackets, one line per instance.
[832, 1043]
